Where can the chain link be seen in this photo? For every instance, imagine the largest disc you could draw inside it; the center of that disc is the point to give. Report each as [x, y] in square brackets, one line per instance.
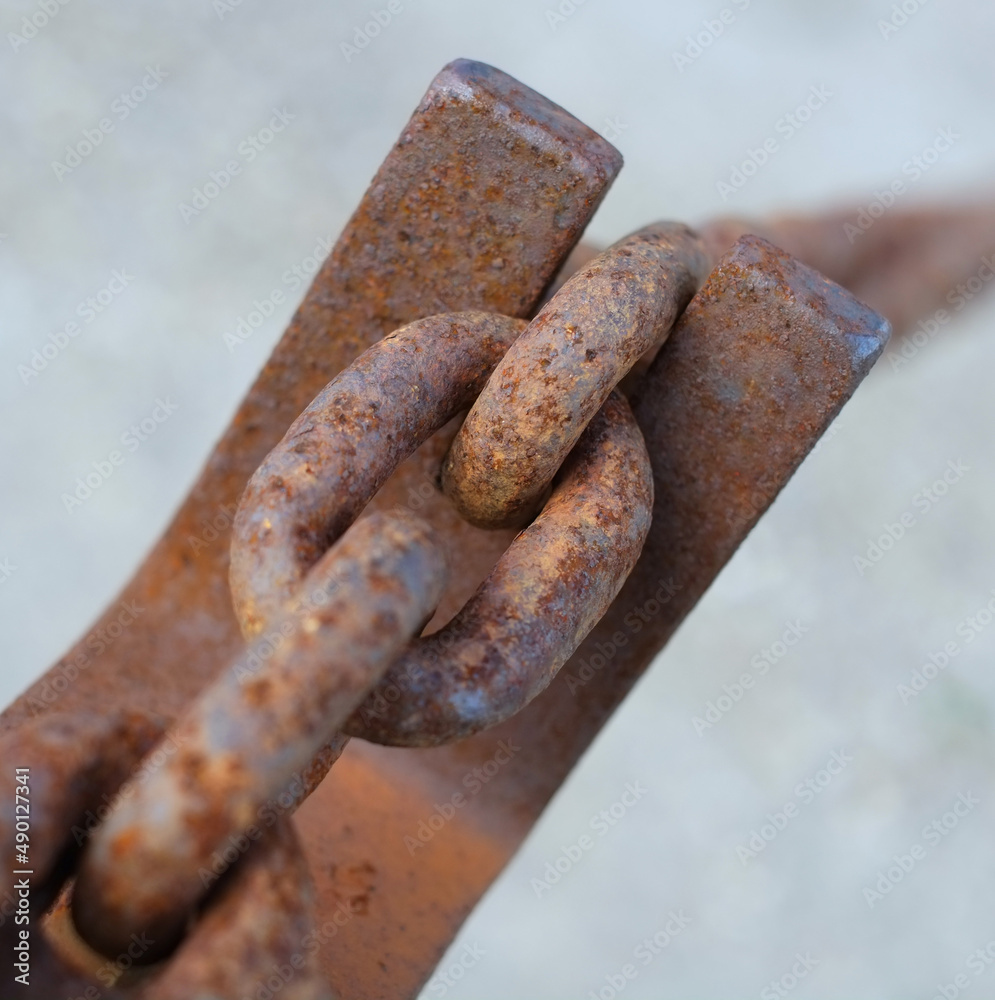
[550, 384]
[331, 610]
[332, 603]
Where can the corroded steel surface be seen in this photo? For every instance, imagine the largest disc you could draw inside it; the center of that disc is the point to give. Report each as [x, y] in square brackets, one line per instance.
[758, 366]
[257, 937]
[346, 444]
[906, 265]
[541, 598]
[252, 731]
[84, 759]
[544, 595]
[418, 243]
[764, 357]
[762, 360]
[258, 926]
[486, 191]
[562, 368]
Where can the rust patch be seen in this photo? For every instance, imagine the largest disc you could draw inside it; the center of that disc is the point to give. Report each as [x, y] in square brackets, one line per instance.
[614, 310]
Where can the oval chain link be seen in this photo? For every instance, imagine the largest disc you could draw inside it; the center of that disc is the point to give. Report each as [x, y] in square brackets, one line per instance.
[331, 612]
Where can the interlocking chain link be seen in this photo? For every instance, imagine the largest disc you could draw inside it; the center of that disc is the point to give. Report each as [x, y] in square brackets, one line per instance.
[550, 384]
[331, 624]
[332, 612]
[241, 741]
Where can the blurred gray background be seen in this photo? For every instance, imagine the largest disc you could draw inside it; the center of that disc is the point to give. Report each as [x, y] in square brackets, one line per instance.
[221, 71]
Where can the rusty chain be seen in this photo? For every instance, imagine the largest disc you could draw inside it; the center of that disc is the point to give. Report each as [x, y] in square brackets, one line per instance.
[332, 612]
[332, 602]
[616, 309]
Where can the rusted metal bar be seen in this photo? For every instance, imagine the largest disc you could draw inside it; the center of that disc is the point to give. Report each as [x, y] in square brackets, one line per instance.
[257, 937]
[95, 756]
[760, 363]
[256, 727]
[562, 368]
[315, 657]
[907, 264]
[420, 242]
[421, 232]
